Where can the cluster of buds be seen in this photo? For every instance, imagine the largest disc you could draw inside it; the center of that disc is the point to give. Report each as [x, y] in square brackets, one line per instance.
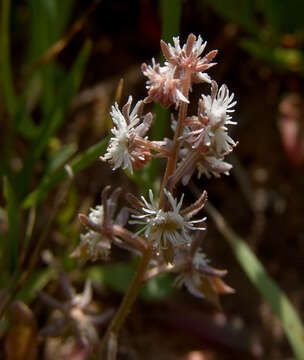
[74, 315]
[200, 143]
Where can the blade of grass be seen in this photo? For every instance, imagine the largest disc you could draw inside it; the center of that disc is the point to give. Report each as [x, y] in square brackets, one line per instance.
[171, 11]
[13, 222]
[59, 45]
[6, 78]
[269, 290]
[16, 283]
[81, 162]
[59, 158]
[64, 97]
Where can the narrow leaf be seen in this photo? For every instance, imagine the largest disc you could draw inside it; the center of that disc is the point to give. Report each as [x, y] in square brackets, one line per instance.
[78, 164]
[269, 290]
[65, 96]
[13, 221]
[6, 78]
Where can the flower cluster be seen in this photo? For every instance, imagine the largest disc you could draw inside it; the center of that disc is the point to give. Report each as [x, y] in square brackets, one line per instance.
[164, 83]
[201, 279]
[92, 246]
[165, 227]
[96, 242]
[167, 231]
[207, 133]
[75, 314]
[124, 149]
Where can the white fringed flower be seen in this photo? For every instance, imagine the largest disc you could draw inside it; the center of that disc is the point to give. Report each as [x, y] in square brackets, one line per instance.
[119, 152]
[219, 105]
[162, 85]
[200, 259]
[96, 214]
[166, 228]
[189, 56]
[217, 108]
[211, 165]
[92, 244]
[93, 247]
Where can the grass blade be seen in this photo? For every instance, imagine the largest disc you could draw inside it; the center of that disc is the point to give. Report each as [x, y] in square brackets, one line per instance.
[269, 290]
[6, 78]
[78, 164]
[65, 96]
[13, 221]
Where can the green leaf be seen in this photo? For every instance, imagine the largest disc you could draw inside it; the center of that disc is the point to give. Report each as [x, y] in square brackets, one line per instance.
[171, 11]
[283, 16]
[65, 95]
[65, 215]
[48, 22]
[59, 158]
[13, 221]
[81, 162]
[158, 288]
[269, 290]
[71, 84]
[6, 78]
[241, 12]
[118, 276]
[282, 58]
[4, 168]
[35, 282]
[25, 124]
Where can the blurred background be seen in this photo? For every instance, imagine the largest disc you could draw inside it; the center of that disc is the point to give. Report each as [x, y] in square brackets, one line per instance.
[61, 63]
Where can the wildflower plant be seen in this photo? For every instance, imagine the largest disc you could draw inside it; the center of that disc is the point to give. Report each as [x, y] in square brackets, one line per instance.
[167, 233]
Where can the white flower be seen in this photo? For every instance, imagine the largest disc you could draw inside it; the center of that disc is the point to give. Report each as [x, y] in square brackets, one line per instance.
[198, 46]
[166, 228]
[210, 165]
[96, 215]
[217, 108]
[93, 246]
[163, 85]
[200, 259]
[218, 105]
[189, 56]
[119, 153]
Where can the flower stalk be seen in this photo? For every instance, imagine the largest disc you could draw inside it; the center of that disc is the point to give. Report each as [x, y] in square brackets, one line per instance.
[127, 302]
[165, 240]
[172, 160]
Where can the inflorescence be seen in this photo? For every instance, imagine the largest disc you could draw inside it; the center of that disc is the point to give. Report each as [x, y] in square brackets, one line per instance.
[199, 146]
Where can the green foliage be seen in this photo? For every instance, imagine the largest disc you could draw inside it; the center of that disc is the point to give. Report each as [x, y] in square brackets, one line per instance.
[117, 277]
[46, 91]
[35, 282]
[13, 220]
[52, 122]
[49, 90]
[79, 163]
[267, 22]
[269, 290]
[240, 12]
[158, 288]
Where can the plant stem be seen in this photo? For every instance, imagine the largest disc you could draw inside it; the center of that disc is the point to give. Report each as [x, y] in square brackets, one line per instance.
[127, 301]
[172, 160]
